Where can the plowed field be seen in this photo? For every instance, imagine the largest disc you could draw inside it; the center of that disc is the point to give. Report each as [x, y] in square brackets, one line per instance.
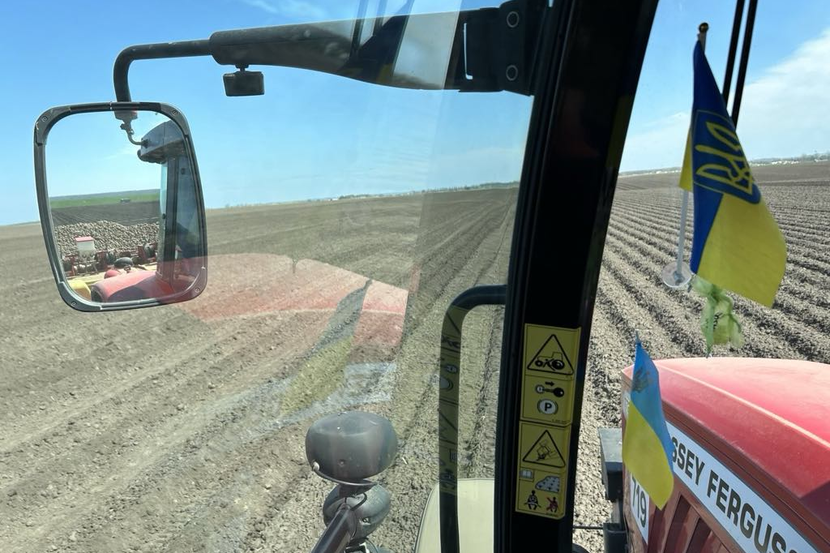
[182, 428]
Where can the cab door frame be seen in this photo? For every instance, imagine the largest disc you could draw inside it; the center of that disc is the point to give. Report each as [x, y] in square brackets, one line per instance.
[586, 75]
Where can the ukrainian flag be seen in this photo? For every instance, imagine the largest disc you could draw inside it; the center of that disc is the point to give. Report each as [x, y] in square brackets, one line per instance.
[737, 244]
[647, 447]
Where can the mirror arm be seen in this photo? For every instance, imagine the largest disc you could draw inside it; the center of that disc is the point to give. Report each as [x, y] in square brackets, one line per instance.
[493, 47]
[161, 50]
[121, 70]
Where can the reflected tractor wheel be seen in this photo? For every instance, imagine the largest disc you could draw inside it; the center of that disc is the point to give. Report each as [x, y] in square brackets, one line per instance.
[122, 262]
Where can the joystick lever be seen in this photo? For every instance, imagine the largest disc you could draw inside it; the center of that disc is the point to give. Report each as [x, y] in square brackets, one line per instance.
[348, 449]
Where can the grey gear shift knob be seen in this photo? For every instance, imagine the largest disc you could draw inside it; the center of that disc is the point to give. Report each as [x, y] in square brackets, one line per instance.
[351, 447]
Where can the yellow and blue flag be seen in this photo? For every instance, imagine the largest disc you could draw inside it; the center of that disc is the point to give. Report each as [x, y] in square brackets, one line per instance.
[647, 447]
[737, 244]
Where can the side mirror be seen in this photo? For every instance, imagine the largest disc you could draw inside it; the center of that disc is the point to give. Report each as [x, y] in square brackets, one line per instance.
[122, 212]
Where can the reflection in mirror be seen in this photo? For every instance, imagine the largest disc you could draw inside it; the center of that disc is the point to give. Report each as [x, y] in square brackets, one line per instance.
[126, 219]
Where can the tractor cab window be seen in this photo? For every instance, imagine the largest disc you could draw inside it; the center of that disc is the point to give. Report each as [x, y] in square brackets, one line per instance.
[346, 208]
[354, 187]
[162, 207]
[782, 129]
[187, 220]
[182, 225]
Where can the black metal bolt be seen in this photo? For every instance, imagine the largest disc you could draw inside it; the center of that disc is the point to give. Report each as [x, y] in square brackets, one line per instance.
[513, 19]
[512, 73]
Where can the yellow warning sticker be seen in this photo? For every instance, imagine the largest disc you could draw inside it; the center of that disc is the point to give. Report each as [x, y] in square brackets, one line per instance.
[551, 350]
[547, 399]
[543, 468]
[543, 446]
[447, 421]
[448, 463]
[448, 445]
[541, 493]
[548, 377]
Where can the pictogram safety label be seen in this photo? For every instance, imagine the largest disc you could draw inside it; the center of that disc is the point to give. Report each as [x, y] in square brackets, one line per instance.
[548, 376]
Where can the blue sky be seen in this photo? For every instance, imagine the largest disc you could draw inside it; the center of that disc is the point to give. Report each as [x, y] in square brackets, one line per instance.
[315, 135]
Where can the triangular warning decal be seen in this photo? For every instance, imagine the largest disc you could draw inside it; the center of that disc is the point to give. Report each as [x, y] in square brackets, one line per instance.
[552, 358]
[545, 452]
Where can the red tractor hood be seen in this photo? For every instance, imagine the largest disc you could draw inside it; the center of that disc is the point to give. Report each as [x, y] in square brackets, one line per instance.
[135, 285]
[766, 419]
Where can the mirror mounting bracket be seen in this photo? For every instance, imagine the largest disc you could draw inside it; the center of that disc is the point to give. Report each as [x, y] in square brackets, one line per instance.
[493, 49]
[500, 46]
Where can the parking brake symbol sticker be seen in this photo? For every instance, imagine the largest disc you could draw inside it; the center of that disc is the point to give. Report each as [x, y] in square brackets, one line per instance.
[551, 357]
[547, 407]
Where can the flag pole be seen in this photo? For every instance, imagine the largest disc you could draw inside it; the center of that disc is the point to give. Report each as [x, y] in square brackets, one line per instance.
[681, 239]
[733, 48]
[745, 47]
[702, 29]
[679, 277]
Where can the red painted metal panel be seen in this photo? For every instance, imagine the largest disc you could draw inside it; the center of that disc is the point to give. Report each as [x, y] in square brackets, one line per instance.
[701, 532]
[767, 421]
[661, 522]
[712, 543]
[681, 528]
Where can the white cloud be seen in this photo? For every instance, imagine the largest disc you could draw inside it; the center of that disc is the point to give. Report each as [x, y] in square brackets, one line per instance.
[659, 143]
[290, 9]
[301, 10]
[127, 151]
[785, 112]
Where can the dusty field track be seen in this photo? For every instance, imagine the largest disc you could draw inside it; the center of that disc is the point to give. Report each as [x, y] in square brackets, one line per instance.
[181, 428]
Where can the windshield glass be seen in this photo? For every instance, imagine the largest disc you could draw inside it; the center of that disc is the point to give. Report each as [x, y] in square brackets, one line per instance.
[162, 206]
[782, 128]
[343, 217]
[346, 208]
[187, 214]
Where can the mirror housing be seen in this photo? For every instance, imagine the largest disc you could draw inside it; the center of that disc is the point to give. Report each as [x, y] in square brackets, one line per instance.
[179, 255]
[244, 83]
